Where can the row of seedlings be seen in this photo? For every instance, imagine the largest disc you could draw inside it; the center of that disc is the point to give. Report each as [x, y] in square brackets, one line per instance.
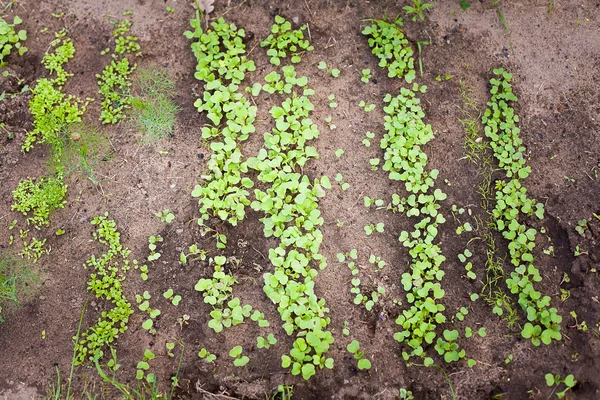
[115, 81]
[222, 67]
[290, 204]
[53, 113]
[512, 206]
[404, 159]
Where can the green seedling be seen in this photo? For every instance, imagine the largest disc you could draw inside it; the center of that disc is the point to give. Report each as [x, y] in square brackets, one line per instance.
[175, 299]
[144, 365]
[416, 10]
[366, 141]
[329, 122]
[390, 45]
[193, 250]
[340, 179]
[263, 343]
[259, 318]
[207, 356]
[366, 75]
[406, 394]
[170, 346]
[165, 215]
[334, 71]
[555, 380]
[345, 329]
[239, 360]
[339, 152]
[369, 229]
[500, 124]
[17, 281]
[448, 348]
[366, 107]
[332, 103]
[354, 349]
[152, 240]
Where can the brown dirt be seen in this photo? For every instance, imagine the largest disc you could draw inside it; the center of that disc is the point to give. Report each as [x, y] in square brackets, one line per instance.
[555, 62]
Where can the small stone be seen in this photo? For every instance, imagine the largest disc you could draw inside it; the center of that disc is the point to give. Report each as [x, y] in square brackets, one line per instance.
[179, 231]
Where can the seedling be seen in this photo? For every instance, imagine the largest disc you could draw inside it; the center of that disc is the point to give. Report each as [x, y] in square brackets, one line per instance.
[366, 75]
[170, 346]
[193, 251]
[346, 330]
[332, 103]
[555, 380]
[106, 281]
[206, 355]
[448, 348]
[369, 229]
[263, 343]
[152, 240]
[366, 142]
[366, 107]
[330, 124]
[175, 299]
[340, 179]
[354, 349]
[334, 71]
[416, 10]
[143, 366]
[239, 360]
[165, 216]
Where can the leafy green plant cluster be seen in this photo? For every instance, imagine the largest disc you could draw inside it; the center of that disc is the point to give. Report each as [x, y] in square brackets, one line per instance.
[39, 198]
[290, 205]
[405, 161]
[222, 67]
[16, 281]
[106, 281]
[11, 39]
[388, 43]
[283, 41]
[114, 81]
[512, 203]
[53, 112]
[217, 292]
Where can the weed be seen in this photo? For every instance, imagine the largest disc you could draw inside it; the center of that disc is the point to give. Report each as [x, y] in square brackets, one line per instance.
[154, 110]
[416, 10]
[17, 280]
[83, 149]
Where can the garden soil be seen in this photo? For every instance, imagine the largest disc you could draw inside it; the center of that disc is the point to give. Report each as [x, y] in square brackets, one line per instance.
[555, 59]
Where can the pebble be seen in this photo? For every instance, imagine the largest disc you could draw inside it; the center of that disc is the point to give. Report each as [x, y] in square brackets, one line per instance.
[179, 231]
